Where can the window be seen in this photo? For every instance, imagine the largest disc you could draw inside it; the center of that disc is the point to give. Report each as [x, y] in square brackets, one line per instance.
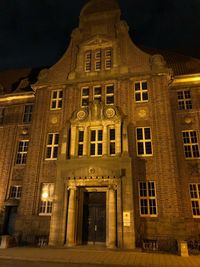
[88, 61]
[22, 152]
[190, 143]
[96, 142]
[109, 94]
[112, 141]
[141, 91]
[195, 199]
[147, 199]
[56, 99]
[108, 58]
[2, 112]
[28, 109]
[46, 199]
[15, 191]
[52, 146]
[97, 93]
[184, 100]
[144, 146]
[80, 142]
[98, 60]
[85, 97]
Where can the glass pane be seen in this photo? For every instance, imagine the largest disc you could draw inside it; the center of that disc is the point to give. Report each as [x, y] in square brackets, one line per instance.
[110, 100]
[99, 149]
[85, 92]
[92, 149]
[137, 86]
[145, 96]
[55, 152]
[144, 85]
[112, 148]
[80, 150]
[147, 133]
[110, 89]
[59, 103]
[137, 97]
[81, 136]
[93, 135]
[85, 102]
[140, 149]
[100, 135]
[148, 148]
[56, 139]
[139, 134]
[112, 134]
[97, 90]
[180, 95]
[54, 94]
[60, 94]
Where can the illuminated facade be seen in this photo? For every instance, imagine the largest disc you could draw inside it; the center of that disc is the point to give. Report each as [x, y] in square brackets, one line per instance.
[104, 148]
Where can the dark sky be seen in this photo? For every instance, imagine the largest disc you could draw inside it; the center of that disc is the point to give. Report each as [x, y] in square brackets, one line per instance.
[36, 33]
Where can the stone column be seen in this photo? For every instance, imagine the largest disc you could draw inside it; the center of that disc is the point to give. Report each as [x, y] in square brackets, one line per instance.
[71, 218]
[73, 141]
[117, 138]
[112, 218]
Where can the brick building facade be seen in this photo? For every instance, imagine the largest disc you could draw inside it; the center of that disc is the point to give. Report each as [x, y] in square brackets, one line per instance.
[104, 147]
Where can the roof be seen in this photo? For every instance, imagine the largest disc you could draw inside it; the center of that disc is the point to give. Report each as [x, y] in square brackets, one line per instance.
[180, 64]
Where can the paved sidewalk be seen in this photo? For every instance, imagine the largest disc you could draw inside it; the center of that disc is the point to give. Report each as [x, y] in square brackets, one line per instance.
[89, 255]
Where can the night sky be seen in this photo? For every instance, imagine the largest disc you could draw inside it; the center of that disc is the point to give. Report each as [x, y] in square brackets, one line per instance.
[36, 33]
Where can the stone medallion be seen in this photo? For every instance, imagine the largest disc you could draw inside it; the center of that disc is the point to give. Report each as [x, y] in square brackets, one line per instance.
[110, 113]
[81, 115]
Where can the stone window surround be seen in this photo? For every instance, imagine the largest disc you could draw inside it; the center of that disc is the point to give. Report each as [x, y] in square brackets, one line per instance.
[103, 96]
[97, 59]
[28, 111]
[15, 192]
[105, 126]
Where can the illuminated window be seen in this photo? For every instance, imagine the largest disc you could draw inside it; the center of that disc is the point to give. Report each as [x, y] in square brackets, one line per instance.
[56, 99]
[190, 143]
[144, 142]
[2, 112]
[109, 94]
[195, 199]
[80, 142]
[147, 199]
[85, 93]
[15, 191]
[184, 100]
[97, 93]
[112, 141]
[22, 152]
[28, 109]
[141, 91]
[46, 199]
[108, 58]
[52, 146]
[96, 142]
[88, 61]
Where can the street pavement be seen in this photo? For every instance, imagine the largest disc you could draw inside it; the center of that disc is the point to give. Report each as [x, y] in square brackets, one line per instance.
[91, 256]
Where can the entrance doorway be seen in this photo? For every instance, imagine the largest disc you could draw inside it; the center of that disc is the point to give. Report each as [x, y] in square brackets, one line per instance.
[10, 217]
[94, 218]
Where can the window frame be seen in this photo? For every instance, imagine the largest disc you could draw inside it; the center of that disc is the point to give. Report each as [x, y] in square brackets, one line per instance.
[108, 58]
[148, 199]
[53, 145]
[44, 203]
[97, 96]
[144, 141]
[109, 94]
[57, 100]
[85, 96]
[141, 91]
[195, 199]
[80, 143]
[88, 61]
[111, 141]
[17, 193]
[188, 147]
[27, 115]
[96, 142]
[22, 155]
[184, 103]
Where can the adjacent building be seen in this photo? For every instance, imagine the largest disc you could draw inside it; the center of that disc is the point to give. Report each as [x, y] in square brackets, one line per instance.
[104, 147]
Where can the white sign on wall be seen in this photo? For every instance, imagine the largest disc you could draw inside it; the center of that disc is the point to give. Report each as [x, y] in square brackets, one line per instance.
[126, 218]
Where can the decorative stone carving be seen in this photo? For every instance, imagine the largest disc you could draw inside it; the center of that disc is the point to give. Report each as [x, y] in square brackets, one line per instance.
[24, 131]
[54, 119]
[81, 115]
[109, 113]
[188, 120]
